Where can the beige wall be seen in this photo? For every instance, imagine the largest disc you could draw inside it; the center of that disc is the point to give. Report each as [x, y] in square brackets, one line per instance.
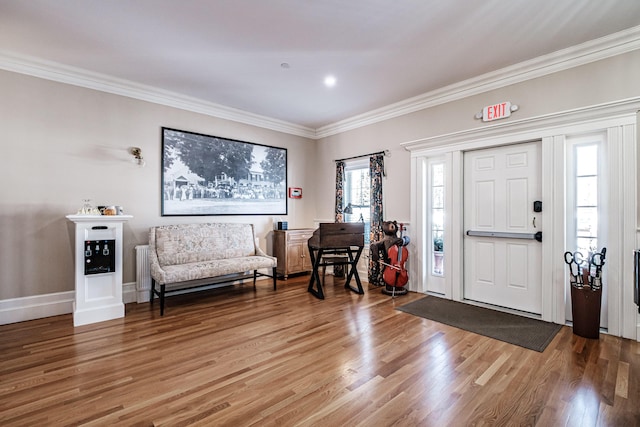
[62, 144]
[599, 82]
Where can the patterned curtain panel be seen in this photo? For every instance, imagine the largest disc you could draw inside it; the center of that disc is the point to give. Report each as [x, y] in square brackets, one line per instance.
[338, 270]
[376, 171]
[339, 190]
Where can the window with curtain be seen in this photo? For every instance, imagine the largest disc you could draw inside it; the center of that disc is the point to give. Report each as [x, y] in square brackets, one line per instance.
[357, 194]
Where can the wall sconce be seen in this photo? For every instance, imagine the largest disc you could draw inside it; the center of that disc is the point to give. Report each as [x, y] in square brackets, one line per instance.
[136, 152]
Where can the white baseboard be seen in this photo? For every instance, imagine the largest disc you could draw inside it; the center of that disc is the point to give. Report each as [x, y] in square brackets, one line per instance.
[39, 306]
[129, 293]
[36, 307]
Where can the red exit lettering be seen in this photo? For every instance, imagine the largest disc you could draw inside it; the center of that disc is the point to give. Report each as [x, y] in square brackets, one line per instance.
[497, 111]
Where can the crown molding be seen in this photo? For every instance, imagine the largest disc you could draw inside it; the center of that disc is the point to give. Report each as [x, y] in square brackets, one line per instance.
[601, 115]
[57, 72]
[591, 51]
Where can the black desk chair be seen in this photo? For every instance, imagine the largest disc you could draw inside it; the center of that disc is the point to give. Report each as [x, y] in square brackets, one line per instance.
[333, 260]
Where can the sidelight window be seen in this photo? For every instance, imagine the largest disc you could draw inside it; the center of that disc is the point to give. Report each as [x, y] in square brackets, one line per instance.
[437, 218]
[586, 197]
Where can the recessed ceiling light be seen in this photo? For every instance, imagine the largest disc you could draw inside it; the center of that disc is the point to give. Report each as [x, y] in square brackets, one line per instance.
[329, 81]
[285, 65]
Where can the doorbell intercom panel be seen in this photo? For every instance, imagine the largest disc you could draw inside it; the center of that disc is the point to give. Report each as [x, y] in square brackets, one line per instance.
[537, 206]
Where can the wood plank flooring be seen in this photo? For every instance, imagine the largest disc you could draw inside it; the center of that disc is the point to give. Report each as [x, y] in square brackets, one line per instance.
[243, 357]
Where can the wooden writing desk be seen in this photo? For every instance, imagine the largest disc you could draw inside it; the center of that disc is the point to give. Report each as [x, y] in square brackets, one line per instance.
[328, 242]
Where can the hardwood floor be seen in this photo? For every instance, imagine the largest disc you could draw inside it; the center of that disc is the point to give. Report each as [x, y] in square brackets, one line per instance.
[244, 357]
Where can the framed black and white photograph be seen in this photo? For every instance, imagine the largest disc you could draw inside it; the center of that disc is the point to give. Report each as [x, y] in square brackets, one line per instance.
[209, 175]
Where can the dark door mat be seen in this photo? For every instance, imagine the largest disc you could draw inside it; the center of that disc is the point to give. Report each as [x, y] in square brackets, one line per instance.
[522, 331]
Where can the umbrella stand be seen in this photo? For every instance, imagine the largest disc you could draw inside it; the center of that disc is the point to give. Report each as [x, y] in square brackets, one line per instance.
[586, 292]
[585, 308]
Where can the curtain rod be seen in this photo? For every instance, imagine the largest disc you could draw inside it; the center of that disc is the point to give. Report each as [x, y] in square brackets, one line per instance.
[385, 153]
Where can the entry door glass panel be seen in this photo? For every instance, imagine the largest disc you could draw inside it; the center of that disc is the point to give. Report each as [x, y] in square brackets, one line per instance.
[500, 186]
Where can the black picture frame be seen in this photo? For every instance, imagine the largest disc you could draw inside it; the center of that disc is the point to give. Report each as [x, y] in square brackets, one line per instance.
[210, 175]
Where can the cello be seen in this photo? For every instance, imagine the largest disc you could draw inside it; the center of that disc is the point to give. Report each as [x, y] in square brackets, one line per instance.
[395, 274]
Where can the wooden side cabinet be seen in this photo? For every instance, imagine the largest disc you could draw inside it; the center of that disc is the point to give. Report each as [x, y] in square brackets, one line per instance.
[290, 247]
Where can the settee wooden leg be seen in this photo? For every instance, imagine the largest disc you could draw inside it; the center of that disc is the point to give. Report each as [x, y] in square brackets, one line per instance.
[273, 275]
[255, 274]
[162, 300]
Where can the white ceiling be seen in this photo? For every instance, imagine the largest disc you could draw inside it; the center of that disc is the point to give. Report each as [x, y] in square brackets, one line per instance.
[229, 52]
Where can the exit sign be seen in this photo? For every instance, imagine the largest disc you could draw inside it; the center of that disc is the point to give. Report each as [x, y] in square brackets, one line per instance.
[497, 111]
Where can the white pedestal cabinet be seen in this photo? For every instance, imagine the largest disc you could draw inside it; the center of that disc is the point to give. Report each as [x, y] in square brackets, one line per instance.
[98, 268]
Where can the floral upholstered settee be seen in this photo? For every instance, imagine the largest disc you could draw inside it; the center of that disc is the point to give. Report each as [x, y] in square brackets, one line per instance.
[188, 256]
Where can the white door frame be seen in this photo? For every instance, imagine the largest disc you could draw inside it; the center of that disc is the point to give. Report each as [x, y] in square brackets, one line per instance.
[619, 120]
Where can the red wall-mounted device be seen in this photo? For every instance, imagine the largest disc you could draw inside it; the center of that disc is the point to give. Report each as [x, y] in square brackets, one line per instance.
[295, 192]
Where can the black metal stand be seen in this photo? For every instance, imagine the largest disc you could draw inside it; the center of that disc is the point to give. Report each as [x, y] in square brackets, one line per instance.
[394, 290]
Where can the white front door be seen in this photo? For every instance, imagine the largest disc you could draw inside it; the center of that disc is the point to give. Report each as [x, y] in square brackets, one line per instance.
[502, 261]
